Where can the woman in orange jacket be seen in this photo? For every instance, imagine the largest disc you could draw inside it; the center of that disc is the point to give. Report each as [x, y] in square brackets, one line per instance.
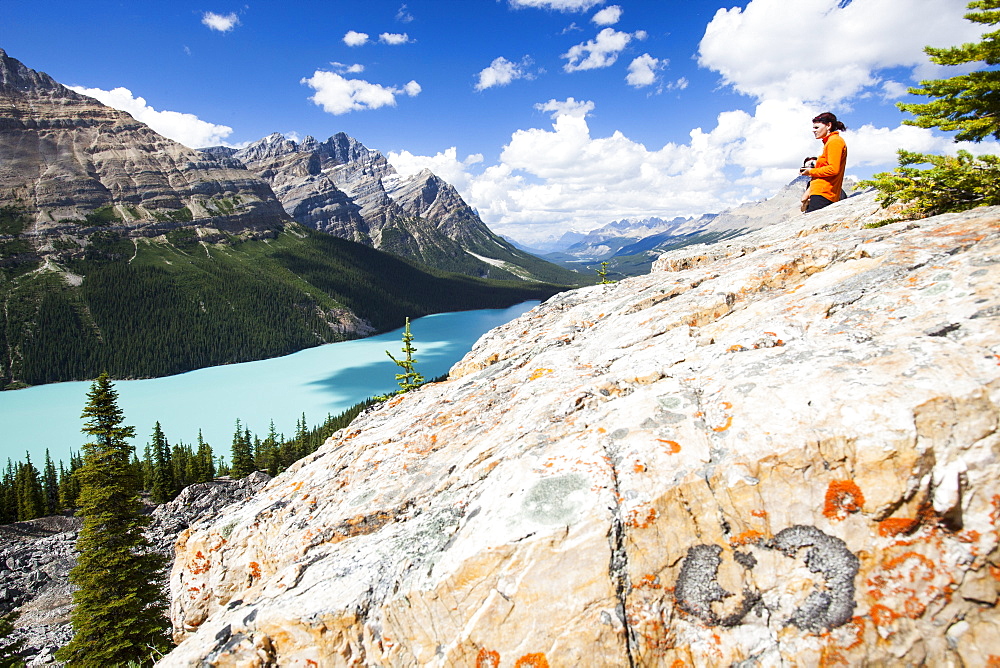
[828, 174]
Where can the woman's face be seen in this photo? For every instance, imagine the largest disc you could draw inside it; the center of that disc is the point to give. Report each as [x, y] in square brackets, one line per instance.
[821, 130]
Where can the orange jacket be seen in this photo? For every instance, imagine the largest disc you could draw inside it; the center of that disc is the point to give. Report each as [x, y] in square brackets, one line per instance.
[828, 174]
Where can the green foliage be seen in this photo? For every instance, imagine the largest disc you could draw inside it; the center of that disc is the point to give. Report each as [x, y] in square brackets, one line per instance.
[185, 238]
[102, 217]
[162, 488]
[966, 103]
[13, 220]
[182, 215]
[119, 608]
[409, 379]
[11, 651]
[603, 273]
[952, 183]
[242, 453]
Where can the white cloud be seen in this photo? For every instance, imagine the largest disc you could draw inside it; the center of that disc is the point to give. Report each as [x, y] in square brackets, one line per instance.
[826, 51]
[187, 129]
[601, 51]
[445, 164]
[893, 90]
[355, 68]
[502, 71]
[642, 71]
[404, 15]
[608, 16]
[560, 5]
[220, 22]
[338, 95]
[354, 38]
[567, 107]
[394, 38]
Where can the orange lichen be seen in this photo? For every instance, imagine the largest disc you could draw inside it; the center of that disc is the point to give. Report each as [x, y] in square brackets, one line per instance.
[881, 615]
[736, 348]
[254, 570]
[200, 564]
[673, 447]
[487, 659]
[842, 497]
[746, 538]
[536, 660]
[678, 663]
[639, 467]
[759, 513]
[726, 425]
[538, 373]
[636, 519]
[895, 526]
[649, 581]
[993, 661]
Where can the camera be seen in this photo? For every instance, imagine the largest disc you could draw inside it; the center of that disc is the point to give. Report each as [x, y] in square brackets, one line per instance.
[808, 163]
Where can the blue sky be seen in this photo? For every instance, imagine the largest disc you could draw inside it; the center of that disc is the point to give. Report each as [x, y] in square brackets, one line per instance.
[548, 115]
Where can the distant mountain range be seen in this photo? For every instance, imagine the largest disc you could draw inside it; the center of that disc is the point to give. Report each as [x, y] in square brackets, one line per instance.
[630, 246]
[124, 251]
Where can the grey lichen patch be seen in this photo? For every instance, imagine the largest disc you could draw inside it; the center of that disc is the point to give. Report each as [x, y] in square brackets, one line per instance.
[548, 501]
[828, 606]
[698, 587]
[832, 606]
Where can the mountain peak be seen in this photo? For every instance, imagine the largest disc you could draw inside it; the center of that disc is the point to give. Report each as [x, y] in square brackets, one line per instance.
[18, 79]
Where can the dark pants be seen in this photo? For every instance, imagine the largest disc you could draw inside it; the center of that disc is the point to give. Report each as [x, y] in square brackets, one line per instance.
[817, 202]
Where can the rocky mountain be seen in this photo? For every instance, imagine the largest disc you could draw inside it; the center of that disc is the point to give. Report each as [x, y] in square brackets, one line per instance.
[776, 450]
[67, 161]
[36, 557]
[341, 187]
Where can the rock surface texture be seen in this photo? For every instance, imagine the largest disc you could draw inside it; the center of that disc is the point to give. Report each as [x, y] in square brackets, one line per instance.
[36, 557]
[343, 188]
[782, 450]
[63, 155]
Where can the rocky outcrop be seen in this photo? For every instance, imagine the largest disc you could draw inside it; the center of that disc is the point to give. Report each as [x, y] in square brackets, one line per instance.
[36, 557]
[64, 155]
[341, 187]
[777, 450]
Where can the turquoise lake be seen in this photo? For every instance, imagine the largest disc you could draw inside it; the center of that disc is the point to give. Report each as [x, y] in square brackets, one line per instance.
[318, 381]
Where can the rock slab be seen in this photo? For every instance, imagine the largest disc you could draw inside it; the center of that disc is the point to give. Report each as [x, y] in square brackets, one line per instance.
[778, 450]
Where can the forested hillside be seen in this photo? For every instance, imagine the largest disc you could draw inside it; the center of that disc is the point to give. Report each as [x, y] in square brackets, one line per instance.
[141, 307]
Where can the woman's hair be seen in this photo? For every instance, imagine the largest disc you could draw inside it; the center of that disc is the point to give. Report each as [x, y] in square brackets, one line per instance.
[829, 119]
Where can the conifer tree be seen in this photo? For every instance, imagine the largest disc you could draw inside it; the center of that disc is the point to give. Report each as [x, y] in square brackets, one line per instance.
[409, 379]
[242, 465]
[30, 494]
[11, 650]
[50, 485]
[162, 488]
[69, 484]
[119, 608]
[204, 466]
[968, 103]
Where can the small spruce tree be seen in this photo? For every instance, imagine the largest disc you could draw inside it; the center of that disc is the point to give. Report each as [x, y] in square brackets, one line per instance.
[409, 379]
[119, 614]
